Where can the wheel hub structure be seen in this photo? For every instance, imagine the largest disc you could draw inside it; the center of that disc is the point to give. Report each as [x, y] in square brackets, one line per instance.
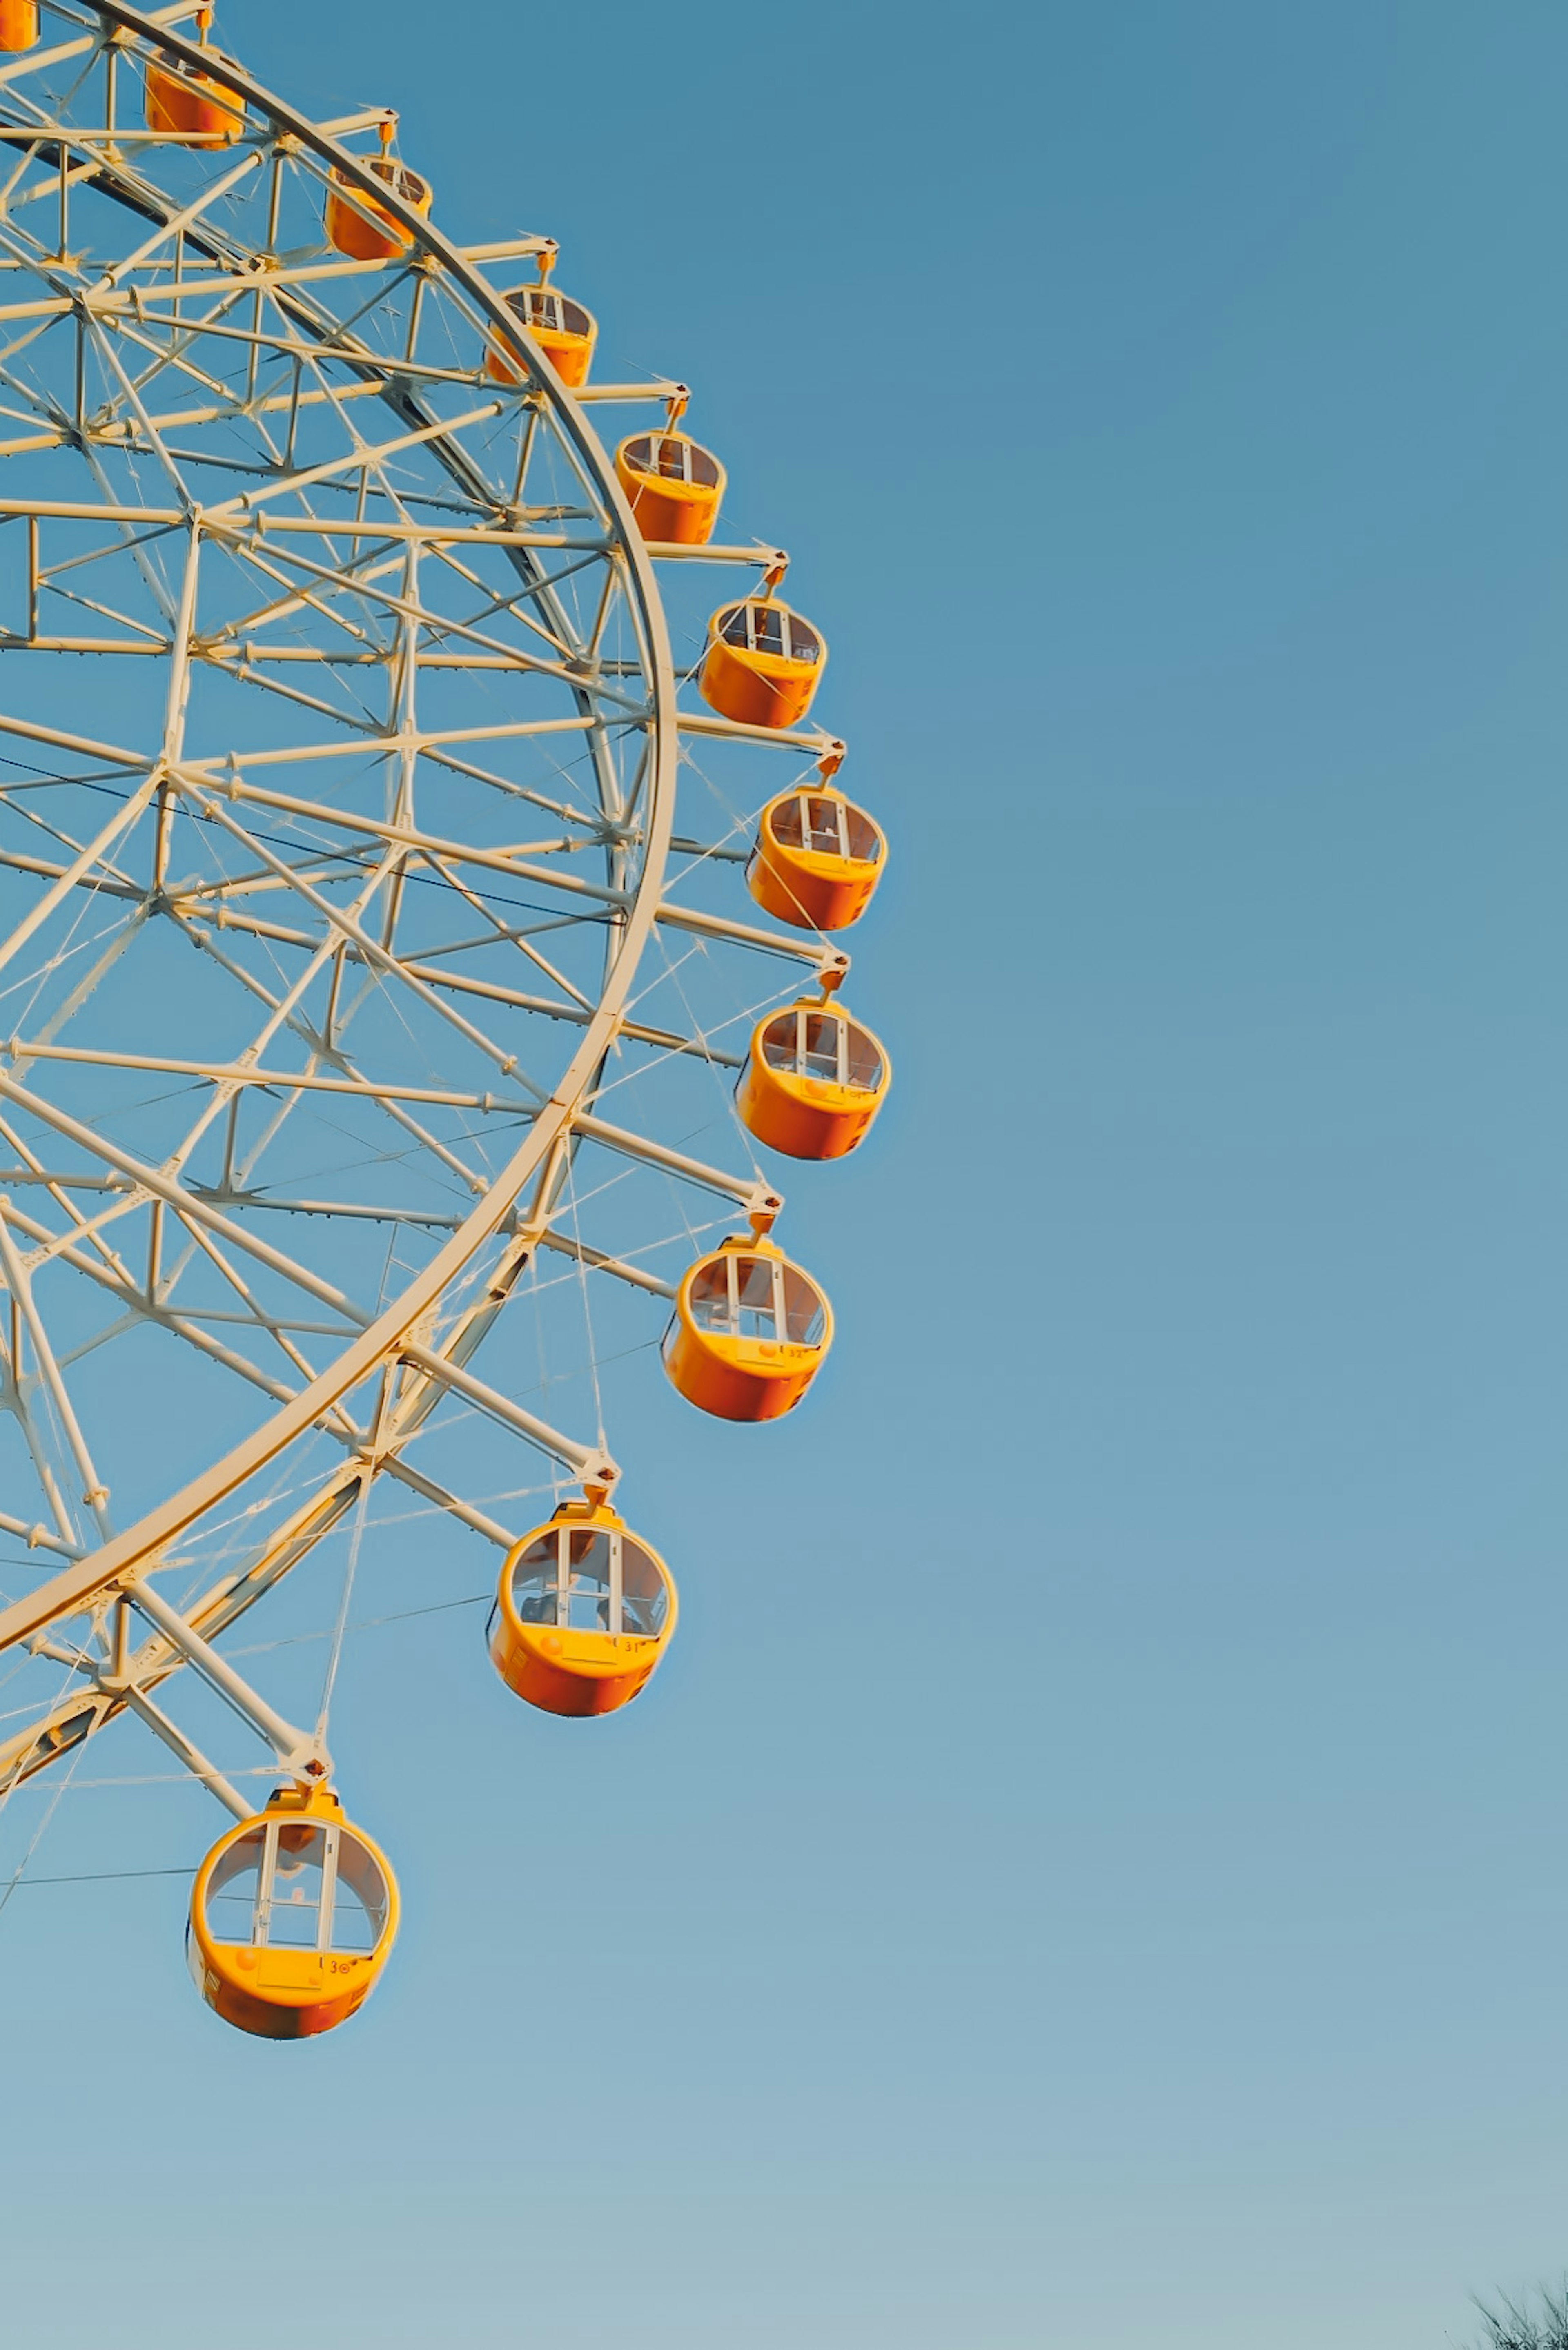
[375, 957]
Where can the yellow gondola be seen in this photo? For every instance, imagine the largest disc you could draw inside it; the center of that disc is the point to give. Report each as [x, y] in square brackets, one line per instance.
[563, 329]
[182, 102]
[18, 26]
[584, 1613]
[817, 860]
[360, 227]
[750, 1331]
[674, 485]
[763, 663]
[293, 1917]
[814, 1081]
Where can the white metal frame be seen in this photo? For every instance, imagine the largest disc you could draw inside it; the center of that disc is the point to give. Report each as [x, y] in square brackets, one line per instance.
[193, 330]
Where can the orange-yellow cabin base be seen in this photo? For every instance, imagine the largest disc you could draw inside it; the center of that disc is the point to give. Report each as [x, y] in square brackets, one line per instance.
[569, 355]
[297, 1993]
[793, 887]
[358, 226]
[18, 26]
[738, 1379]
[802, 1116]
[675, 513]
[573, 1673]
[756, 689]
[193, 107]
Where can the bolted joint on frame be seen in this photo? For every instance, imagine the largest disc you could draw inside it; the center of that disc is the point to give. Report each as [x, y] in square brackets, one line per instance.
[763, 1208]
[600, 1475]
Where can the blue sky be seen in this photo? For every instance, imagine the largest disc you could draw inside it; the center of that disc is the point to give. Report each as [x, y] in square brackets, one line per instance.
[1088, 1871]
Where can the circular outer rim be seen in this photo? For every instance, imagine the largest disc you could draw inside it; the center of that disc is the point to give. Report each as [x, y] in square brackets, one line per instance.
[67, 1593]
[209, 1950]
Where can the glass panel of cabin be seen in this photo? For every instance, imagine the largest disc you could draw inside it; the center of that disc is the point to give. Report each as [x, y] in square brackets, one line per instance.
[645, 1597]
[669, 455]
[805, 1318]
[779, 1042]
[360, 1899]
[708, 1298]
[825, 835]
[862, 840]
[862, 1061]
[787, 823]
[293, 1902]
[821, 1047]
[232, 1886]
[767, 627]
[535, 1580]
[756, 1315]
[589, 1593]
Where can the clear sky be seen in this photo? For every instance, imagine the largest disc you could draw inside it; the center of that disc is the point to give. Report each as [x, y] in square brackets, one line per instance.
[1089, 1872]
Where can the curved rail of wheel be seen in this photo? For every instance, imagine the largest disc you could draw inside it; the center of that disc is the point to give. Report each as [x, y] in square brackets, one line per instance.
[120, 1560]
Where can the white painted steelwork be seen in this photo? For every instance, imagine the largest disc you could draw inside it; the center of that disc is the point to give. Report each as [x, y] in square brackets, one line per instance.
[340, 671]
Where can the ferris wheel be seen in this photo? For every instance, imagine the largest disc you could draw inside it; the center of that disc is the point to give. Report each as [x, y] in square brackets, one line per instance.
[386, 912]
